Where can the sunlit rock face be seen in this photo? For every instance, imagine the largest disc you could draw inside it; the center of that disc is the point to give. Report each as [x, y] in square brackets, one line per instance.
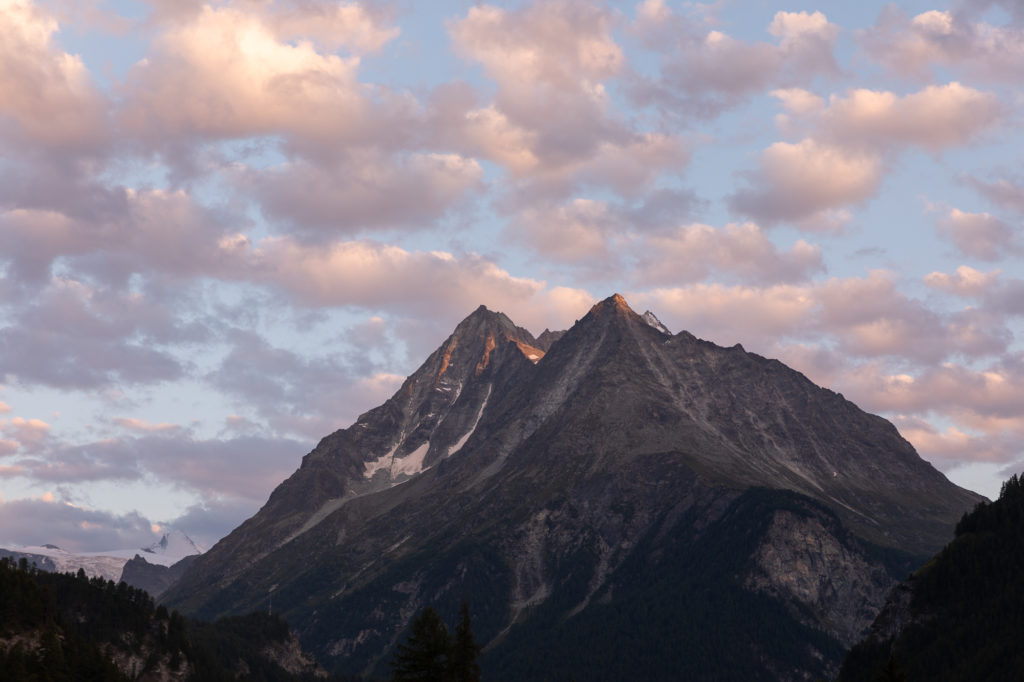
[614, 501]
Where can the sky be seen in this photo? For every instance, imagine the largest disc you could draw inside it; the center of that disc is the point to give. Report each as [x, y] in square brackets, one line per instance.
[229, 228]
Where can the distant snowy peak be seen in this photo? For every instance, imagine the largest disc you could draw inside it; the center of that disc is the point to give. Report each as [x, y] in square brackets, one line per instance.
[652, 319]
[169, 550]
[174, 544]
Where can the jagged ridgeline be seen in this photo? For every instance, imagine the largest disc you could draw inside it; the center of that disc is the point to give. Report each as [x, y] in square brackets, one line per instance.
[58, 626]
[613, 502]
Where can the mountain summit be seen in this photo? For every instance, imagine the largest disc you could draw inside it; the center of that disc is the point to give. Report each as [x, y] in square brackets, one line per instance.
[628, 504]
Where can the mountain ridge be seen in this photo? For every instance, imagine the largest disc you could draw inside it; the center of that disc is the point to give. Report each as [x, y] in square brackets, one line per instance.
[619, 437]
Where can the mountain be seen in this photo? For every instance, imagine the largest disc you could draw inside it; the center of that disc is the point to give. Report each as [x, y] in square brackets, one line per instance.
[613, 501]
[153, 578]
[959, 616]
[171, 548]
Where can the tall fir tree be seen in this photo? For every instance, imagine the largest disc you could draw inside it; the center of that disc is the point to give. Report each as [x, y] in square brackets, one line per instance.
[465, 650]
[424, 656]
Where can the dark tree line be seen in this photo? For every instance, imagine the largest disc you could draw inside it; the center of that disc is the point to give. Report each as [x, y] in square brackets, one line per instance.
[966, 613]
[57, 627]
[433, 654]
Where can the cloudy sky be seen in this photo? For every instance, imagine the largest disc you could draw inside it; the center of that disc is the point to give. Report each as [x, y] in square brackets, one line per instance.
[229, 228]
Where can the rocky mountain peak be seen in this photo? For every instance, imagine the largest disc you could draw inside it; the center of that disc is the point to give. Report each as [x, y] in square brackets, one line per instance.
[613, 306]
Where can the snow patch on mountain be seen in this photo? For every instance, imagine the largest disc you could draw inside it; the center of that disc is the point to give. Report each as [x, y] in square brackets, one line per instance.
[462, 441]
[411, 464]
[384, 462]
[652, 319]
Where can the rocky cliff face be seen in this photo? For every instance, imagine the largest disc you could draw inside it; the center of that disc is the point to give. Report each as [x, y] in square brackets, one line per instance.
[828, 581]
[607, 485]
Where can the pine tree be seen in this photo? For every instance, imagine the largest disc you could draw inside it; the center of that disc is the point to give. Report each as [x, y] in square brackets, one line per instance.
[465, 650]
[424, 656]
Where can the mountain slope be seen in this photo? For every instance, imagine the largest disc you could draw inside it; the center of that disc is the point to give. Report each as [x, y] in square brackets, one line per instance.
[959, 616]
[547, 489]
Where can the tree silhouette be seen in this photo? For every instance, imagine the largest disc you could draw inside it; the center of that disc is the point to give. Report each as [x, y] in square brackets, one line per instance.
[431, 654]
[465, 650]
[424, 656]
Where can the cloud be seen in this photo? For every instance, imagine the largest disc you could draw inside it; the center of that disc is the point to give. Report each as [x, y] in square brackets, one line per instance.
[580, 232]
[917, 46]
[225, 72]
[708, 74]
[309, 396]
[809, 183]
[935, 118]
[870, 317]
[333, 25]
[601, 240]
[552, 123]
[952, 447]
[75, 336]
[1005, 192]
[210, 520]
[694, 252]
[979, 235]
[70, 527]
[244, 467]
[49, 97]
[363, 190]
[728, 314]
[27, 435]
[564, 44]
[966, 281]
[861, 317]
[437, 284]
[127, 231]
[143, 426]
[812, 183]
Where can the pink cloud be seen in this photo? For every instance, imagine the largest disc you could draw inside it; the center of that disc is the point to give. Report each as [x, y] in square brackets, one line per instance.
[580, 232]
[861, 317]
[966, 281]
[707, 74]
[129, 231]
[552, 122]
[564, 44]
[143, 426]
[809, 183]
[1005, 192]
[728, 314]
[225, 72]
[49, 95]
[842, 162]
[71, 527]
[979, 235]
[363, 190]
[935, 118]
[693, 252]
[952, 447]
[31, 435]
[940, 38]
[75, 336]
